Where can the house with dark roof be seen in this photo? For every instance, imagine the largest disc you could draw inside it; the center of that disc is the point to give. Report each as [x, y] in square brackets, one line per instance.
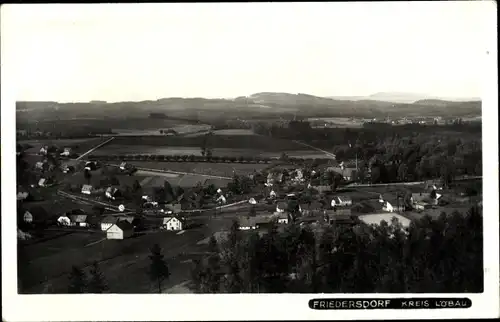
[87, 189]
[78, 220]
[281, 206]
[174, 208]
[120, 230]
[107, 222]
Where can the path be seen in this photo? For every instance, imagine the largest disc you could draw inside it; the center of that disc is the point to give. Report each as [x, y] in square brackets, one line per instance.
[95, 148]
[315, 148]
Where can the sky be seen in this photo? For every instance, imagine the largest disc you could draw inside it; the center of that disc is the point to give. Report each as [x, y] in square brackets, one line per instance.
[133, 52]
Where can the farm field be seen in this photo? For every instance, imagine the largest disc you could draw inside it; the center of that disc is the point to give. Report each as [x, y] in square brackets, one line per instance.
[215, 169]
[114, 149]
[55, 258]
[178, 128]
[257, 142]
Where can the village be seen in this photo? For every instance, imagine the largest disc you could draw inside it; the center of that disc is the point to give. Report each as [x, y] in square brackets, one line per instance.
[283, 194]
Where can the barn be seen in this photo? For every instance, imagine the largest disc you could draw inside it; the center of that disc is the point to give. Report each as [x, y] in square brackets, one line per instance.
[121, 230]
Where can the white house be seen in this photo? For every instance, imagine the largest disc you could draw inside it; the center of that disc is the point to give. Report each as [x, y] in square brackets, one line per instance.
[28, 217]
[252, 201]
[246, 223]
[281, 207]
[341, 201]
[173, 223]
[282, 218]
[22, 193]
[123, 166]
[112, 193]
[107, 222]
[39, 165]
[221, 199]
[87, 189]
[272, 194]
[121, 230]
[387, 207]
[43, 150]
[66, 152]
[64, 220]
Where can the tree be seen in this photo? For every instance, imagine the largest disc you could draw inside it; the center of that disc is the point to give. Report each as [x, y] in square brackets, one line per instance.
[158, 270]
[88, 175]
[97, 282]
[212, 244]
[169, 193]
[78, 281]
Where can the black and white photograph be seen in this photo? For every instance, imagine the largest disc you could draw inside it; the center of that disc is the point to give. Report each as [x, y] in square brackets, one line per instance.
[277, 149]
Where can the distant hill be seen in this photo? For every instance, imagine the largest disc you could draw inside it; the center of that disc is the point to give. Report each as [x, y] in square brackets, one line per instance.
[400, 97]
[258, 105]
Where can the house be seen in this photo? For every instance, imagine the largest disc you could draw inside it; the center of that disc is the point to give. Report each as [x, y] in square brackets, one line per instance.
[252, 201]
[107, 222]
[341, 201]
[393, 205]
[347, 173]
[174, 208]
[63, 220]
[28, 217]
[43, 150]
[87, 189]
[68, 169]
[66, 152]
[274, 178]
[79, 220]
[173, 223]
[281, 206]
[112, 193]
[272, 194]
[43, 182]
[22, 193]
[39, 165]
[313, 208]
[91, 166]
[305, 209]
[282, 218]
[421, 201]
[247, 223]
[123, 166]
[120, 230]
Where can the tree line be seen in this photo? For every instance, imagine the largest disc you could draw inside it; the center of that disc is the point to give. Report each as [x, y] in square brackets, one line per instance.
[431, 256]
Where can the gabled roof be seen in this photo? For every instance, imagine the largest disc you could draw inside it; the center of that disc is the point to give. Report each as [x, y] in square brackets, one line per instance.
[78, 218]
[86, 187]
[166, 220]
[124, 225]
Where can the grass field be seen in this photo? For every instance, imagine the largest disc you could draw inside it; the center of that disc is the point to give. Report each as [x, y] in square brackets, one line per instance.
[215, 169]
[124, 263]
